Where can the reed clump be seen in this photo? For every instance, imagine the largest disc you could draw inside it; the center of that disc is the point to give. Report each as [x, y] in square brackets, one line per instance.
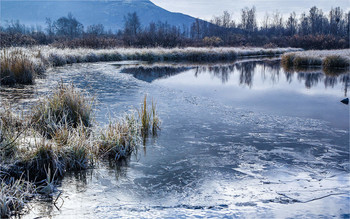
[59, 136]
[150, 122]
[18, 68]
[10, 129]
[68, 150]
[119, 138]
[65, 107]
[300, 61]
[14, 194]
[327, 59]
[287, 60]
[336, 61]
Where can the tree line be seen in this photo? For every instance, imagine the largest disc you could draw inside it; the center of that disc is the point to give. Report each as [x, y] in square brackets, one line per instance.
[312, 30]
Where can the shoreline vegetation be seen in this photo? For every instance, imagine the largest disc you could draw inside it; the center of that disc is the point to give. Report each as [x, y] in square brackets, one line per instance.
[59, 135]
[313, 29]
[20, 65]
[327, 59]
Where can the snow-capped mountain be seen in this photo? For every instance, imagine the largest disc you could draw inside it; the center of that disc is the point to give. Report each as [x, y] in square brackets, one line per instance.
[109, 13]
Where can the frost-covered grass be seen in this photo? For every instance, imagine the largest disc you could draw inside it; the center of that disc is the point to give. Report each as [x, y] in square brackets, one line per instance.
[14, 194]
[55, 136]
[325, 58]
[67, 107]
[16, 66]
[22, 64]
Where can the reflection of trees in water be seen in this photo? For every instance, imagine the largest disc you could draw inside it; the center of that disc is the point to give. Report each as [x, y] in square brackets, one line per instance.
[246, 71]
[311, 79]
[270, 69]
[330, 81]
[289, 76]
[151, 73]
[345, 80]
[223, 72]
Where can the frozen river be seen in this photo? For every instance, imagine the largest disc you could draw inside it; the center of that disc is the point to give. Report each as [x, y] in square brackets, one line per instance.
[246, 139]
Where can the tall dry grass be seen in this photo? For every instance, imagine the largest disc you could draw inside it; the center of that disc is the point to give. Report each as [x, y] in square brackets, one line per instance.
[21, 65]
[18, 67]
[59, 136]
[150, 122]
[119, 138]
[66, 107]
[325, 58]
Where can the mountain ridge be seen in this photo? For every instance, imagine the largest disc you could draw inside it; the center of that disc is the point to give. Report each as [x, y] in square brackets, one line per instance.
[110, 13]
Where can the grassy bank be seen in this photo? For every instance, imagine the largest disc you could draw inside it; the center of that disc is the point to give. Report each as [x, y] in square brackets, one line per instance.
[317, 58]
[21, 65]
[58, 135]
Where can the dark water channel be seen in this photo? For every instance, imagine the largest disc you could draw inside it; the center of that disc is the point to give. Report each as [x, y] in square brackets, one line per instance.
[245, 139]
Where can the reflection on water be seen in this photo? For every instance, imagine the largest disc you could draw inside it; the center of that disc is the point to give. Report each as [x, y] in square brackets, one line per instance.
[17, 94]
[246, 139]
[269, 69]
[149, 74]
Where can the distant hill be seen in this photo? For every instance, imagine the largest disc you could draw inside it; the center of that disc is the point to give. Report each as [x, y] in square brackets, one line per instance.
[110, 13]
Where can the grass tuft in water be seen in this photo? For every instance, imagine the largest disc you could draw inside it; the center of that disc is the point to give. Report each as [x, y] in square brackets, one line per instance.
[58, 136]
[145, 117]
[155, 120]
[14, 195]
[150, 122]
[287, 60]
[11, 127]
[119, 138]
[65, 107]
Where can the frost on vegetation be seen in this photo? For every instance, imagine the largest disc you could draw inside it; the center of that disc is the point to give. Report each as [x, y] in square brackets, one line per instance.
[22, 65]
[14, 194]
[59, 135]
[325, 58]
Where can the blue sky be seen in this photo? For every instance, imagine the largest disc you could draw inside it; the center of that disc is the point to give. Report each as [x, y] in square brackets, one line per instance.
[205, 9]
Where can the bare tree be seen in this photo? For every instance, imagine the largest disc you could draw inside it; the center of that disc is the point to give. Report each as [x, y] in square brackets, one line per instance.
[335, 17]
[95, 29]
[291, 24]
[248, 19]
[132, 24]
[304, 24]
[49, 27]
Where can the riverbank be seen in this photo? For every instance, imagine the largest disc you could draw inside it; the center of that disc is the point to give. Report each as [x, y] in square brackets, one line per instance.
[59, 135]
[317, 58]
[21, 65]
